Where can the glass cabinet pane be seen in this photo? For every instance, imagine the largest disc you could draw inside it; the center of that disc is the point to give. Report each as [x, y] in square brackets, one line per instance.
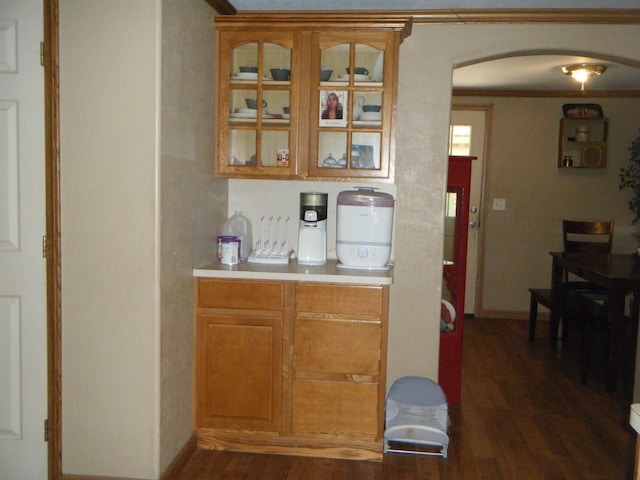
[276, 63]
[368, 64]
[335, 60]
[242, 147]
[334, 108]
[332, 150]
[244, 62]
[244, 106]
[367, 109]
[365, 151]
[277, 105]
[274, 148]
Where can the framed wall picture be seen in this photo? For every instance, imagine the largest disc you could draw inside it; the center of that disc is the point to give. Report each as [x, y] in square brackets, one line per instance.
[333, 108]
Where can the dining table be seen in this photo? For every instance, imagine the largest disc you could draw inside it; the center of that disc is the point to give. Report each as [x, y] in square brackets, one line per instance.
[619, 274]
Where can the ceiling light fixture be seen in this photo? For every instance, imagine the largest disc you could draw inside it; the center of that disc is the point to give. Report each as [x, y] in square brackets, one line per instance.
[583, 71]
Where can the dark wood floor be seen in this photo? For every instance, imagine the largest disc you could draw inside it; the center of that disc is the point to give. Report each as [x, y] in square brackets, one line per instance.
[523, 415]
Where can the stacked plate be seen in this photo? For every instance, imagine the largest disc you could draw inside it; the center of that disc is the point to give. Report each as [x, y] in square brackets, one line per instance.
[369, 116]
[356, 77]
[248, 113]
[245, 76]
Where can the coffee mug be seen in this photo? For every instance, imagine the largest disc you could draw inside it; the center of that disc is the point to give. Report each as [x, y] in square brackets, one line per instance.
[252, 103]
[285, 110]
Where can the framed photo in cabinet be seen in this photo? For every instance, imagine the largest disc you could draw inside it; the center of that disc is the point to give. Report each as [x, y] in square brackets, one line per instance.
[334, 108]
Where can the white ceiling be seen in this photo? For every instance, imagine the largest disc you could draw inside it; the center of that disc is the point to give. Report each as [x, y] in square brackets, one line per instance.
[543, 73]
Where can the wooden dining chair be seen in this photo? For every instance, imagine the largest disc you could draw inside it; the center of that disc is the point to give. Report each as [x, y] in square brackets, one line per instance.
[590, 318]
[578, 236]
[578, 303]
[588, 237]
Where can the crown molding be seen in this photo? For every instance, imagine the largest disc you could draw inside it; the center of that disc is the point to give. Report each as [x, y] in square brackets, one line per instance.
[458, 92]
[621, 16]
[520, 15]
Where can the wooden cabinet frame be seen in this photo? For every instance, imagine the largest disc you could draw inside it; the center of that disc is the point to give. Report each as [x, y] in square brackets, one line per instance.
[319, 396]
[305, 34]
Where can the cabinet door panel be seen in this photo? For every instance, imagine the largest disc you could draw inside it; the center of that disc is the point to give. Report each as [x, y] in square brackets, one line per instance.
[339, 299]
[238, 372]
[337, 346]
[315, 409]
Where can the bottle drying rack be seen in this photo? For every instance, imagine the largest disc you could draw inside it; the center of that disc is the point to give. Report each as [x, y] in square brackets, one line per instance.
[270, 247]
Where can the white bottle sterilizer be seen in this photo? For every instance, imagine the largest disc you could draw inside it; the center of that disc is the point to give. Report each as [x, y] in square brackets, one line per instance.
[364, 228]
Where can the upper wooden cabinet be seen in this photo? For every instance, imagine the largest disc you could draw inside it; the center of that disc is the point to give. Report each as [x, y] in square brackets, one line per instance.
[294, 131]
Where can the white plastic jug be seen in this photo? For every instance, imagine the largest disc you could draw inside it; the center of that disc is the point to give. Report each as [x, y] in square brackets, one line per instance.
[240, 226]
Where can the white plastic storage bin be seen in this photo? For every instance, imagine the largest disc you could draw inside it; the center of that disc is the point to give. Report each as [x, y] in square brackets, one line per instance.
[416, 413]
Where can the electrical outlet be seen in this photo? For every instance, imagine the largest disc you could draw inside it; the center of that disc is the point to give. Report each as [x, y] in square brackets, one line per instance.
[500, 204]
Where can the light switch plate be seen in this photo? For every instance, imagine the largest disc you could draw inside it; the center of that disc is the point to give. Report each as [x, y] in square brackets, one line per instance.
[500, 204]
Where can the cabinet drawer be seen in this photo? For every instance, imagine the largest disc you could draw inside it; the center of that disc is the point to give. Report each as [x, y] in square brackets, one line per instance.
[335, 407]
[339, 299]
[337, 346]
[240, 294]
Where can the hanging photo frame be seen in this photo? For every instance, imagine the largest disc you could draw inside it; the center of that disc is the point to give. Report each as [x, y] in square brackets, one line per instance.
[333, 108]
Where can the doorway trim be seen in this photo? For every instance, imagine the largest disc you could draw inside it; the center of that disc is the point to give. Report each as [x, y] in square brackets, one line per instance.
[478, 309]
[53, 429]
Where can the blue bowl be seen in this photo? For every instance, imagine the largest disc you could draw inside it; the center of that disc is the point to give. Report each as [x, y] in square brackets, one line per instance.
[280, 73]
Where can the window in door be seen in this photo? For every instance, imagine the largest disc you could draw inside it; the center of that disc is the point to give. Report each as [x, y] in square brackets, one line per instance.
[460, 140]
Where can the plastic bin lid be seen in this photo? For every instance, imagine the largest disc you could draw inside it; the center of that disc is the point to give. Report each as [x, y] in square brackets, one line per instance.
[365, 196]
[417, 391]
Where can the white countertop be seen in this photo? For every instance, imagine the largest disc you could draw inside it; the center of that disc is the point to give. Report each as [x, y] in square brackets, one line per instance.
[329, 273]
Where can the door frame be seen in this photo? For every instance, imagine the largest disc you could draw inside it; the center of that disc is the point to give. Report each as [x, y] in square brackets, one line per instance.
[53, 244]
[478, 309]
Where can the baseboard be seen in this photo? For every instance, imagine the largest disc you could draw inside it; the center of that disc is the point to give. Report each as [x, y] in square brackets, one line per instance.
[181, 459]
[501, 314]
[69, 476]
[172, 471]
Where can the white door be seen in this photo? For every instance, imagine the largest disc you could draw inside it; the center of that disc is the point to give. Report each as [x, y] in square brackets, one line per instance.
[23, 325]
[476, 120]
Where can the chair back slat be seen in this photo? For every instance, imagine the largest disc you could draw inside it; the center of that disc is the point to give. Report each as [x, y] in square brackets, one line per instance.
[581, 236]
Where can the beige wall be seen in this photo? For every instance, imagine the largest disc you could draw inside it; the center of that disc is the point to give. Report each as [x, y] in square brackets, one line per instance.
[109, 97]
[187, 144]
[127, 218]
[426, 62]
[522, 168]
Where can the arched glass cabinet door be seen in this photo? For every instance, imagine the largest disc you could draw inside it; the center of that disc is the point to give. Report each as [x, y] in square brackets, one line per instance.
[352, 134]
[258, 108]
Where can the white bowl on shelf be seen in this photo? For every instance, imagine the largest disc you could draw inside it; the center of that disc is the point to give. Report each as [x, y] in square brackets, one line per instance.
[370, 116]
[245, 76]
[356, 78]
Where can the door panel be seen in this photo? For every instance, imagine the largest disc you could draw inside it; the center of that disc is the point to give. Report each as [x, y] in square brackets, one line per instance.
[23, 346]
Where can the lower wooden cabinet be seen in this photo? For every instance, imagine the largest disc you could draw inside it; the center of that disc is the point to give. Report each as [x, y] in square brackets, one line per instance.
[238, 359]
[300, 372]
